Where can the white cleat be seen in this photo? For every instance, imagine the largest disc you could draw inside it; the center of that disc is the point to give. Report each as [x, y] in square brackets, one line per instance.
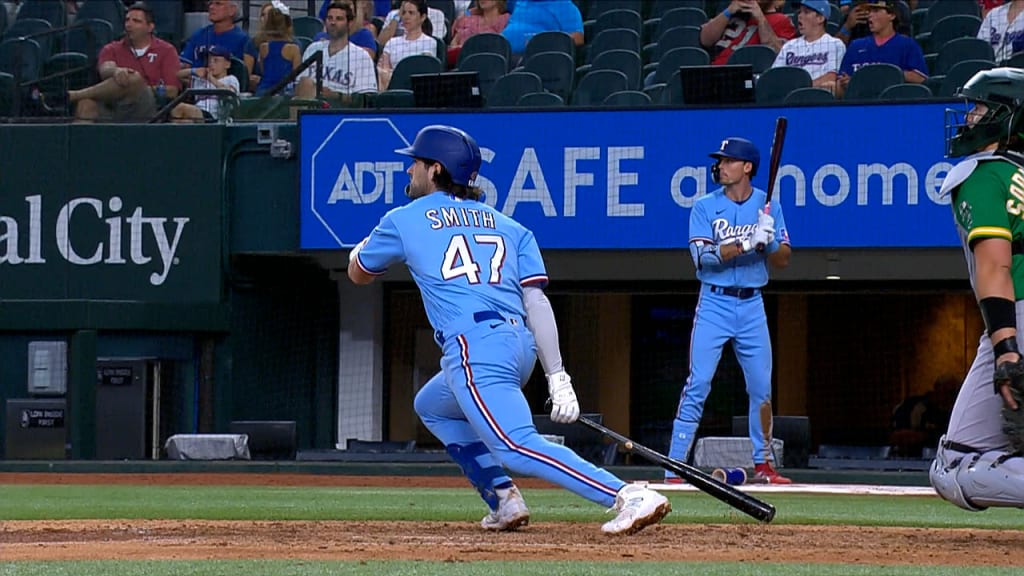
[637, 508]
[510, 515]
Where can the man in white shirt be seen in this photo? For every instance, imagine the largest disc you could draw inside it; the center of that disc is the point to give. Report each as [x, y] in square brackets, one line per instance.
[814, 50]
[347, 70]
[1004, 30]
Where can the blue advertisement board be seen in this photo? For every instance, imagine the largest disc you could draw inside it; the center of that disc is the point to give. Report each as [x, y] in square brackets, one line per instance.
[851, 176]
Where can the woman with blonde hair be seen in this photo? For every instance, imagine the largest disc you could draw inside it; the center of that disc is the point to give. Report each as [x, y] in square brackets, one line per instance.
[277, 52]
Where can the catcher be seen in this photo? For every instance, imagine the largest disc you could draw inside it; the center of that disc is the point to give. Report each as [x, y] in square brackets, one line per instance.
[979, 462]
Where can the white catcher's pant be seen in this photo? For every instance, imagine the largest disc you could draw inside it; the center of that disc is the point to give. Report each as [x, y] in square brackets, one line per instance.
[971, 469]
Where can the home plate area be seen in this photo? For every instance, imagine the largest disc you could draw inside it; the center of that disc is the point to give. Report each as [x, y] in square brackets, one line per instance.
[871, 489]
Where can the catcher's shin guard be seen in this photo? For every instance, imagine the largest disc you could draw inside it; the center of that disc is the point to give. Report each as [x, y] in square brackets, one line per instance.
[976, 481]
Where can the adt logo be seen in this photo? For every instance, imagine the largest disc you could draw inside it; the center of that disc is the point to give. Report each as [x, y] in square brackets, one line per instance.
[354, 174]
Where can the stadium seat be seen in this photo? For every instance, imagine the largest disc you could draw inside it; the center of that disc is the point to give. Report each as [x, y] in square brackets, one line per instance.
[447, 7]
[614, 39]
[88, 37]
[70, 71]
[308, 26]
[673, 93]
[630, 98]
[21, 59]
[613, 19]
[959, 74]
[486, 42]
[395, 98]
[947, 29]
[868, 82]
[238, 70]
[415, 64]
[303, 42]
[552, 41]
[54, 13]
[597, 85]
[169, 16]
[624, 61]
[670, 62]
[656, 92]
[597, 8]
[510, 87]
[1015, 61]
[809, 96]
[959, 50]
[113, 11]
[6, 94]
[775, 84]
[759, 56]
[660, 7]
[679, 37]
[540, 100]
[906, 92]
[489, 67]
[939, 10]
[557, 72]
[34, 28]
[3, 25]
[680, 17]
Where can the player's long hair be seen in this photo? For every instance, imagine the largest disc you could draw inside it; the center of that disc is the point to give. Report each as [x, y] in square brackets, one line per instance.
[443, 181]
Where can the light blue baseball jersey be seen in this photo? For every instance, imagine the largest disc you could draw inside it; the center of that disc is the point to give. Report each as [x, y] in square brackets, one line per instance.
[453, 247]
[717, 219]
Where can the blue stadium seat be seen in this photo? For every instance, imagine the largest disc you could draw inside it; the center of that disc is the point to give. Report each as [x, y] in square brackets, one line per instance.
[113, 11]
[395, 99]
[556, 70]
[552, 41]
[308, 26]
[809, 96]
[614, 39]
[959, 74]
[613, 19]
[868, 82]
[410, 65]
[169, 17]
[631, 98]
[776, 83]
[88, 37]
[759, 56]
[488, 66]
[948, 29]
[20, 58]
[598, 85]
[625, 61]
[53, 12]
[670, 62]
[540, 100]
[486, 42]
[960, 50]
[680, 17]
[36, 29]
[512, 86]
[906, 91]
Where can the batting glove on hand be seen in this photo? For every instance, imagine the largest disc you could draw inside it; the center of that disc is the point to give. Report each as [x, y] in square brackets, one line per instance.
[762, 236]
[565, 409]
[355, 250]
[765, 221]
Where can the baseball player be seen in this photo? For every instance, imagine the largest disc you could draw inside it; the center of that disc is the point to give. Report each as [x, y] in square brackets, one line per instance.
[481, 277]
[978, 462]
[732, 240]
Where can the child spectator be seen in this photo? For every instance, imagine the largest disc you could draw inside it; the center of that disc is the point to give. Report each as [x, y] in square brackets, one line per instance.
[212, 77]
[884, 46]
[815, 50]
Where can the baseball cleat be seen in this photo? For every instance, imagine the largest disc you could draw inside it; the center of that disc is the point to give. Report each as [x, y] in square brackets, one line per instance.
[637, 508]
[511, 513]
[765, 474]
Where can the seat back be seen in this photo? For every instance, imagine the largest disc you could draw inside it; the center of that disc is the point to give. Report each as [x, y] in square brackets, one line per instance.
[551, 41]
[759, 56]
[679, 37]
[556, 70]
[238, 70]
[36, 29]
[682, 16]
[906, 92]
[393, 98]
[940, 10]
[631, 98]
[598, 85]
[594, 9]
[308, 26]
[410, 65]
[21, 58]
[486, 42]
[510, 87]
[959, 50]
[113, 11]
[868, 82]
[775, 84]
[66, 71]
[540, 100]
[53, 12]
[88, 37]
[624, 61]
[671, 61]
[613, 39]
[6, 94]
[950, 28]
[809, 96]
[660, 7]
[613, 19]
[959, 74]
[169, 17]
[489, 67]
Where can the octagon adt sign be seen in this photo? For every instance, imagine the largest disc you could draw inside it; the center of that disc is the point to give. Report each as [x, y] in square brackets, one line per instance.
[353, 164]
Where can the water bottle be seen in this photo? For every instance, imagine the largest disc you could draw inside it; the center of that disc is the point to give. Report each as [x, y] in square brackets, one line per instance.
[161, 90]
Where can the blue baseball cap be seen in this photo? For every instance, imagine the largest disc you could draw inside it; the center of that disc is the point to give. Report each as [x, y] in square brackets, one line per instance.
[820, 6]
[217, 50]
[738, 149]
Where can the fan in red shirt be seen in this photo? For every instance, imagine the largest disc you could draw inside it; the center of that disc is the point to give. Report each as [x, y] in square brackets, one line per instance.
[746, 23]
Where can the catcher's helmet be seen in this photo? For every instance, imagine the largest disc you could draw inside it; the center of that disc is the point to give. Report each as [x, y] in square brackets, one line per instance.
[737, 149]
[1002, 91]
[451, 148]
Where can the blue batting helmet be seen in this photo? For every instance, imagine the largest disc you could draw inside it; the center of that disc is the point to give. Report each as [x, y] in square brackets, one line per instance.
[739, 149]
[449, 147]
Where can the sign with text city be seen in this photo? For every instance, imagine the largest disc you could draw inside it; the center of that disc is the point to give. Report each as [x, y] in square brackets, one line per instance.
[851, 176]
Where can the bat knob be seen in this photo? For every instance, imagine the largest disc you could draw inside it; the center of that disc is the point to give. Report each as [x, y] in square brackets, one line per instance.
[628, 445]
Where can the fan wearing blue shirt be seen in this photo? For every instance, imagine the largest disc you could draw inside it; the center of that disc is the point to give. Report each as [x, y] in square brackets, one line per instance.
[531, 17]
[883, 46]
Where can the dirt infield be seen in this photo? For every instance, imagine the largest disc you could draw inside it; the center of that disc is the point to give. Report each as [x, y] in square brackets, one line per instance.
[447, 541]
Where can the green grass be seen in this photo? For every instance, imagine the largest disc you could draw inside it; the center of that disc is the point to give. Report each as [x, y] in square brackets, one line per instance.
[57, 502]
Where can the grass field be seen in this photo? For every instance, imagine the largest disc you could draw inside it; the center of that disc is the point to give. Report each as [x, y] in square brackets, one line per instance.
[70, 502]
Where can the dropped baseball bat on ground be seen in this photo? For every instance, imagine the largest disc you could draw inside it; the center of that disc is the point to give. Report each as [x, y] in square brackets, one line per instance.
[731, 495]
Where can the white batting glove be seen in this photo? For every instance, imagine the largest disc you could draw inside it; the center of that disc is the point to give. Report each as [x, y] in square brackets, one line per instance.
[565, 409]
[765, 221]
[355, 250]
[762, 237]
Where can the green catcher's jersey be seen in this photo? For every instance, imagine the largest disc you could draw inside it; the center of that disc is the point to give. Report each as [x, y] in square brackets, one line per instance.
[989, 203]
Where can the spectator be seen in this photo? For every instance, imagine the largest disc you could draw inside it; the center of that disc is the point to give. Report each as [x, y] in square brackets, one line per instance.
[375, 8]
[856, 23]
[221, 31]
[131, 69]
[815, 51]
[488, 16]
[361, 31]
[1004, 30]
[746, 23]
[415, 40]
[988, 5]
[884, 46]
[394, 25]
[346, 70]
[918, 421]
[531, 17]
[213, 77]
[276, 48]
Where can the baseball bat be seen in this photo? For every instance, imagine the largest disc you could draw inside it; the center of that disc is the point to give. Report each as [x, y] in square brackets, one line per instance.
[781, 123]
[731, 495]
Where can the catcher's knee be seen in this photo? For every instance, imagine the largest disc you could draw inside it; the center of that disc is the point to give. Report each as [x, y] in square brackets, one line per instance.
[976, 481]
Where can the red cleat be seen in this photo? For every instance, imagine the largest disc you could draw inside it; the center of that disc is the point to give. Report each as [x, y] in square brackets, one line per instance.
[674, 480]
[765, 474]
